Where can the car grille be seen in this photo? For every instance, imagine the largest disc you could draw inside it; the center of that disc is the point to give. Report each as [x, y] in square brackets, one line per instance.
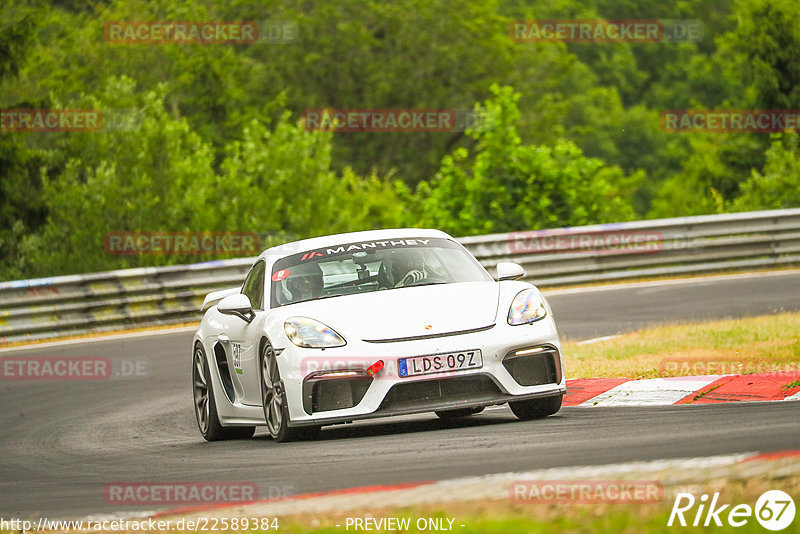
[428, 392]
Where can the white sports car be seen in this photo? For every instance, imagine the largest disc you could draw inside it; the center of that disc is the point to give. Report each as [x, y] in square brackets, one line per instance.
[371, 324]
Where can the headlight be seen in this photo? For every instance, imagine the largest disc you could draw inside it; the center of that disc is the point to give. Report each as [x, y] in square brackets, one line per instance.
[527, 307]
[305, 332]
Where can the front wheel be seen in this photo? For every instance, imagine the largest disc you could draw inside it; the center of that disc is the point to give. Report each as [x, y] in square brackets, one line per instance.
[205, 409]
[536, 408]
[273, 399]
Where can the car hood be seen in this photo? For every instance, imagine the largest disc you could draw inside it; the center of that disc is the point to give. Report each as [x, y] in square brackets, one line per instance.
[406, 312]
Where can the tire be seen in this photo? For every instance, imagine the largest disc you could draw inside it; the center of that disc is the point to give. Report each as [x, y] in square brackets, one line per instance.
[205, 407]
[273, 400]
[536, 408]
[460, 412]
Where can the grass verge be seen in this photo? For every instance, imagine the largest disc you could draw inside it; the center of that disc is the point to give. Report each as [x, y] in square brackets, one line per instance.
[506, 516]
[763, 344]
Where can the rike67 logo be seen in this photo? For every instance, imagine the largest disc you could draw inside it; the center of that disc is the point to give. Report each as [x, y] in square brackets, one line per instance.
[774, 510]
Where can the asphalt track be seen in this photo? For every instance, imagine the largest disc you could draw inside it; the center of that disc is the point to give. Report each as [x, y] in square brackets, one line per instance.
[63, 442]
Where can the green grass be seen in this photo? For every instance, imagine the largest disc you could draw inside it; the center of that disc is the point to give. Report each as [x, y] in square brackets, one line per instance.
[762, 344]
[585, 520]
[791, 385]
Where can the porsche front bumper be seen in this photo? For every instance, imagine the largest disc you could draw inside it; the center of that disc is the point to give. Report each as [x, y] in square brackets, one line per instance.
[328, 386]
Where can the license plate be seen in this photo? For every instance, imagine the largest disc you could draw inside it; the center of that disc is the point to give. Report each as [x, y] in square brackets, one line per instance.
[440, 363]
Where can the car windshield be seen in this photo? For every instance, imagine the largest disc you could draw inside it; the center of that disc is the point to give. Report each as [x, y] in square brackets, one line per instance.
[367, 266]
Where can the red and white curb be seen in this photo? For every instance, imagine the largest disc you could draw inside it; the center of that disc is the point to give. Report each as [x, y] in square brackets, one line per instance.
[588, 392]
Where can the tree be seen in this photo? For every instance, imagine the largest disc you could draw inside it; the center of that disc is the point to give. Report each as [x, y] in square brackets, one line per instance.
[159, 176]
[508, 186]
[21, 207]
[375, 54]
[152, 177]
[778, 185]
[279, 179]
[768, 41]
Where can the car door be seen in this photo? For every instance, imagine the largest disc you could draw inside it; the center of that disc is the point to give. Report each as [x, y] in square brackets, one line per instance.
[242, 345]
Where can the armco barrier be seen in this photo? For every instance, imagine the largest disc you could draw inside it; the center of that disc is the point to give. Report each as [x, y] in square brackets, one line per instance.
[64, 305]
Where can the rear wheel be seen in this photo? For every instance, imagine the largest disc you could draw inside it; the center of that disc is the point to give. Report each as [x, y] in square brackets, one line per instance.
[536, 408]
[273, 399]
[461, 412]
[205, 408]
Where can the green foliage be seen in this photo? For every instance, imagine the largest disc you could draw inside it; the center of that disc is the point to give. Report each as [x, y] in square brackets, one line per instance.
[759, 56]
[16, 36]
[219, 148]
[376, 54]
[160, 176]
[22, 209]
[509, 186]
[768, 41]
[778, 185]
[710, 175]
[151, 178]
[281, 180]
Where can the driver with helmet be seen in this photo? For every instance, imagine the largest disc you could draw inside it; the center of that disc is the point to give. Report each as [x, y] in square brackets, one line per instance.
[408, 268]
[307, 284]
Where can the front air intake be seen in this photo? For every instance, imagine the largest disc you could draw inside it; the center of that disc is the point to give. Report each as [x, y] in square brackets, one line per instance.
[336, 390]
[224, 370]
[534, 366]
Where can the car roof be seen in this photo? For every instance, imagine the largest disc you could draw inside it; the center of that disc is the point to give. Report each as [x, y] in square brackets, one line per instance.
[287, 249]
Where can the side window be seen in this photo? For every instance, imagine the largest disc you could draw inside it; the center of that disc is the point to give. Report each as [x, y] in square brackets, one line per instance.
[254, 285]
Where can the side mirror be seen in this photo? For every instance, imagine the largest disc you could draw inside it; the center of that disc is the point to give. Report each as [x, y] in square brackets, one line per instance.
[238, 305]
[507, 270]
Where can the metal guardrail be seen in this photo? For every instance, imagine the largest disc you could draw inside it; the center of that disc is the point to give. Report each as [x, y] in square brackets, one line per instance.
[65, 305]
